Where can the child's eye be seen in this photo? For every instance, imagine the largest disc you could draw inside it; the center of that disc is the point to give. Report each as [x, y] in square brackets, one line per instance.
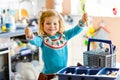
[55, 23]
[48, 23]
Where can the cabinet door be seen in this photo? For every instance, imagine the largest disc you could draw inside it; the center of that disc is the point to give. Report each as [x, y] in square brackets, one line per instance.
[66, 6]
[49, 4]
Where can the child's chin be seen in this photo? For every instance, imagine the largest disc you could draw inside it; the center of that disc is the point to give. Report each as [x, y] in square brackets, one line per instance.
[52, 34]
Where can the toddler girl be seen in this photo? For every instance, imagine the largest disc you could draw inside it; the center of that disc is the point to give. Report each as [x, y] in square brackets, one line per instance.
[53, 39]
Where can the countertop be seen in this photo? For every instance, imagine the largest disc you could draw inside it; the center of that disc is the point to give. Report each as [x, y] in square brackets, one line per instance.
[17, 32]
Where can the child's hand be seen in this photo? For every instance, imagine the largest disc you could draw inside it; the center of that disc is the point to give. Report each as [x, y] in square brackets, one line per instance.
[28, 32]
[85, 18]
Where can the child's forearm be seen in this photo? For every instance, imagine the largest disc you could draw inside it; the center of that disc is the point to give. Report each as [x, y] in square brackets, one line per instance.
[81, 23]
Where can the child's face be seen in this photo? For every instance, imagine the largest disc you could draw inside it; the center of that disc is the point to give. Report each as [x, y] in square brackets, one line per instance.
[51, 25]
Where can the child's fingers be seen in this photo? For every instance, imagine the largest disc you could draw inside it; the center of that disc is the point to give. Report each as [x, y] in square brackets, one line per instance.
[84, 17]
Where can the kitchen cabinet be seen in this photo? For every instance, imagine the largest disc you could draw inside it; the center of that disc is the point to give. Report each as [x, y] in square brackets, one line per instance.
[66, 5]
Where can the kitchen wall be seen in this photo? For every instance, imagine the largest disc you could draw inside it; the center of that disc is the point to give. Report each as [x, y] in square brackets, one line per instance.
[112, 24]
[100, 10]
[96, 7]
[60, 6]
[32, 6]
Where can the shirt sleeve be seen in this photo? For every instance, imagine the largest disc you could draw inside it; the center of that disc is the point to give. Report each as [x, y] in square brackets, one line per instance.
[36, 40]
[75, 30]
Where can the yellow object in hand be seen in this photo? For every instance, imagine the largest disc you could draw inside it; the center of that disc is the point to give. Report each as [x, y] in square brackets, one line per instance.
[83, 9]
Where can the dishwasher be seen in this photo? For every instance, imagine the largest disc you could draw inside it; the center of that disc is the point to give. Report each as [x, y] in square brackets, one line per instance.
[5, 63]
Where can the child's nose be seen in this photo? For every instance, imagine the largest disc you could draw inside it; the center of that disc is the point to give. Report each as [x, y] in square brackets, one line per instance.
[52, 25]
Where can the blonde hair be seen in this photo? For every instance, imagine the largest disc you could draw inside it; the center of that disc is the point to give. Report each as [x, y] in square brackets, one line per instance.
[49, 13]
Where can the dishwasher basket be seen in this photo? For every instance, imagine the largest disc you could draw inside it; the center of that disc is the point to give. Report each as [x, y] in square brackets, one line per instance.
[100, 58]
[87, 73]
